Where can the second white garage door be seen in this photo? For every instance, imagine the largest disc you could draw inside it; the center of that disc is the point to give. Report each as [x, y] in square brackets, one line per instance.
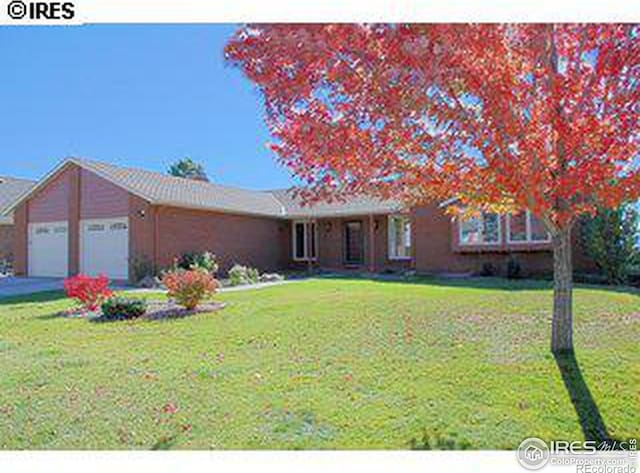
[104, 247]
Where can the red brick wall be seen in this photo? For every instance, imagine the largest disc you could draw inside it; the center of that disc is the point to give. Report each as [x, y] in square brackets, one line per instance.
[331, 245]
[437, 249]
[101, 198]
[247, 240]
[51, 203]
[20, 222]
[6, 242]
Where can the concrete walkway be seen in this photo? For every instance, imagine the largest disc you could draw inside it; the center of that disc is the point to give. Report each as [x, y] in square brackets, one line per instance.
[19, 286]
[12, 286]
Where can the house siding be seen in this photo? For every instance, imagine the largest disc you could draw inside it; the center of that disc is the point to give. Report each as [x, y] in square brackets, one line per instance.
[101, 198]
[331, 250]
[51, 203]
[437, 249]
[6, 242]
[246, 240]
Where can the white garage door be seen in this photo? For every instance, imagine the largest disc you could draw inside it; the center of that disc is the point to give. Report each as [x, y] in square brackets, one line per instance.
[104, 247]
[48, 249]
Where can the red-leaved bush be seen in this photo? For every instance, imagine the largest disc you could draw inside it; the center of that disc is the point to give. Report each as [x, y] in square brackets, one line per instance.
[89, 292]
[189, 287]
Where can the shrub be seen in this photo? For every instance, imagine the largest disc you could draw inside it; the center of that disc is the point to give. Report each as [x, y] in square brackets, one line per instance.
[89, 292]
[514, 270]
[609, 239]
[189, 287]
[488, 270]
[121, 308]
[239, 275]
[206, 261]
[142, 267]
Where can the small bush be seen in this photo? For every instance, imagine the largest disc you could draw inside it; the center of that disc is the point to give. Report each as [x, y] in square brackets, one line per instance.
[142, 267]
[122, 308]
[239, 275]
[514, 270]
[488, 270]
[87, 291]
[206, 261]
[189, 287]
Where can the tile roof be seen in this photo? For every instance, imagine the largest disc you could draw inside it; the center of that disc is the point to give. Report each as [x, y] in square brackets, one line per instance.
[11, 189]
[176, 191]
[355, 206]
[162, 189]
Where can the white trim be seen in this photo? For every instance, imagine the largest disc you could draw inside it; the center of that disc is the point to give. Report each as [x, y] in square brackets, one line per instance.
[481, 243]
[305, 237]
[391, 257]
[528, 236]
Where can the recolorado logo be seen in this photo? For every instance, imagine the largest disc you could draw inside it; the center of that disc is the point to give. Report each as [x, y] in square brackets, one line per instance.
[19, 10]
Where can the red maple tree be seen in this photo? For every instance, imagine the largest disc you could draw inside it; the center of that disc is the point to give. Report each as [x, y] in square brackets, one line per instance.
[498, 117]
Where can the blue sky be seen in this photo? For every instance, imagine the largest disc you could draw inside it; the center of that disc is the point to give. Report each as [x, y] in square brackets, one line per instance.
[135, 95]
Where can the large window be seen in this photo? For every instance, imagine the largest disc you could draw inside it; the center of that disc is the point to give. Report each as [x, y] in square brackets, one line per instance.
[524, 227]
[399, 237]
[304, 241]
[483, 229]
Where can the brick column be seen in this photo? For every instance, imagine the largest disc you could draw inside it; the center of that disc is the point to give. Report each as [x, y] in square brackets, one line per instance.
[372, 244]
[21, 239]
[74, 220]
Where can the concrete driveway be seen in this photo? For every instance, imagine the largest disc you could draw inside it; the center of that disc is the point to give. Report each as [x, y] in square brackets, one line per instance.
[13, 286]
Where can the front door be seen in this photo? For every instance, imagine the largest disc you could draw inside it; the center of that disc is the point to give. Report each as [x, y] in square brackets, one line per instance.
[353, 243]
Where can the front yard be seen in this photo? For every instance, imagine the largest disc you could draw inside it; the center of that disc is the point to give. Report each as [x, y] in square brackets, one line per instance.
[330, 363]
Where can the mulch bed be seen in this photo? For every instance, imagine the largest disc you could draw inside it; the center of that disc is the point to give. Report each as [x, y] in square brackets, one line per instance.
[156, 310]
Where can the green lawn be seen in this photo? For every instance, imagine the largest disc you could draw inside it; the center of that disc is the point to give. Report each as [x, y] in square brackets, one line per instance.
[340, 363]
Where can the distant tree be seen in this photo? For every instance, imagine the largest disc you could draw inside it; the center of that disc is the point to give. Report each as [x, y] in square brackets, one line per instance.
[610, 239]
[189, 169]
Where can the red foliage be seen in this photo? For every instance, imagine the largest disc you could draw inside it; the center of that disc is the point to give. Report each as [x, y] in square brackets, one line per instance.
[189, 287]
[544, 117]
[89, 292]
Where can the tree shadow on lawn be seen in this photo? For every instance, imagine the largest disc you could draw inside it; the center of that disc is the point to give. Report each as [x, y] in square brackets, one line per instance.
[476, 282]
[591, 421]
[46, 296]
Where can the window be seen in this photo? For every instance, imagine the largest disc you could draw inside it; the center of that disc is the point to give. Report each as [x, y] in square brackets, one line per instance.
[399, 228]
[483, 229]
[304, 241]
[524, 227]
[118, 226]
[42, 231]
[95, 227]
[60, 230]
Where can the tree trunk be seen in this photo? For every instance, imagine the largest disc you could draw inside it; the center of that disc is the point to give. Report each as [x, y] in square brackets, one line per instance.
[562, 325]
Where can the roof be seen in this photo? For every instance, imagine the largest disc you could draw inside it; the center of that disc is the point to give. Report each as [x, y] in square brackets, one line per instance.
[162, 189]
[10, 190]
[354, 206]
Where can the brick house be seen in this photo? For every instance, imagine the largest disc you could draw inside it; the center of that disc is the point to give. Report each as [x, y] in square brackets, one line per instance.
[92, 217]
[10, 190]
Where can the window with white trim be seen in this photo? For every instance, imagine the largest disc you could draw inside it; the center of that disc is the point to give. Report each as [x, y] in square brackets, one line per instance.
[305, 244]
[399, 237]
[524, 227]
[483, 229]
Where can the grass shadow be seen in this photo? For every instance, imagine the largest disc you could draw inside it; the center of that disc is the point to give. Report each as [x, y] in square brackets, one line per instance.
[591, 421]
[474, 282]
[45, 296]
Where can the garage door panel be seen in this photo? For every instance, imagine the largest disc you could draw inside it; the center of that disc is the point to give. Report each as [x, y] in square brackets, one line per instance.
[48, 249]
[105, 247]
